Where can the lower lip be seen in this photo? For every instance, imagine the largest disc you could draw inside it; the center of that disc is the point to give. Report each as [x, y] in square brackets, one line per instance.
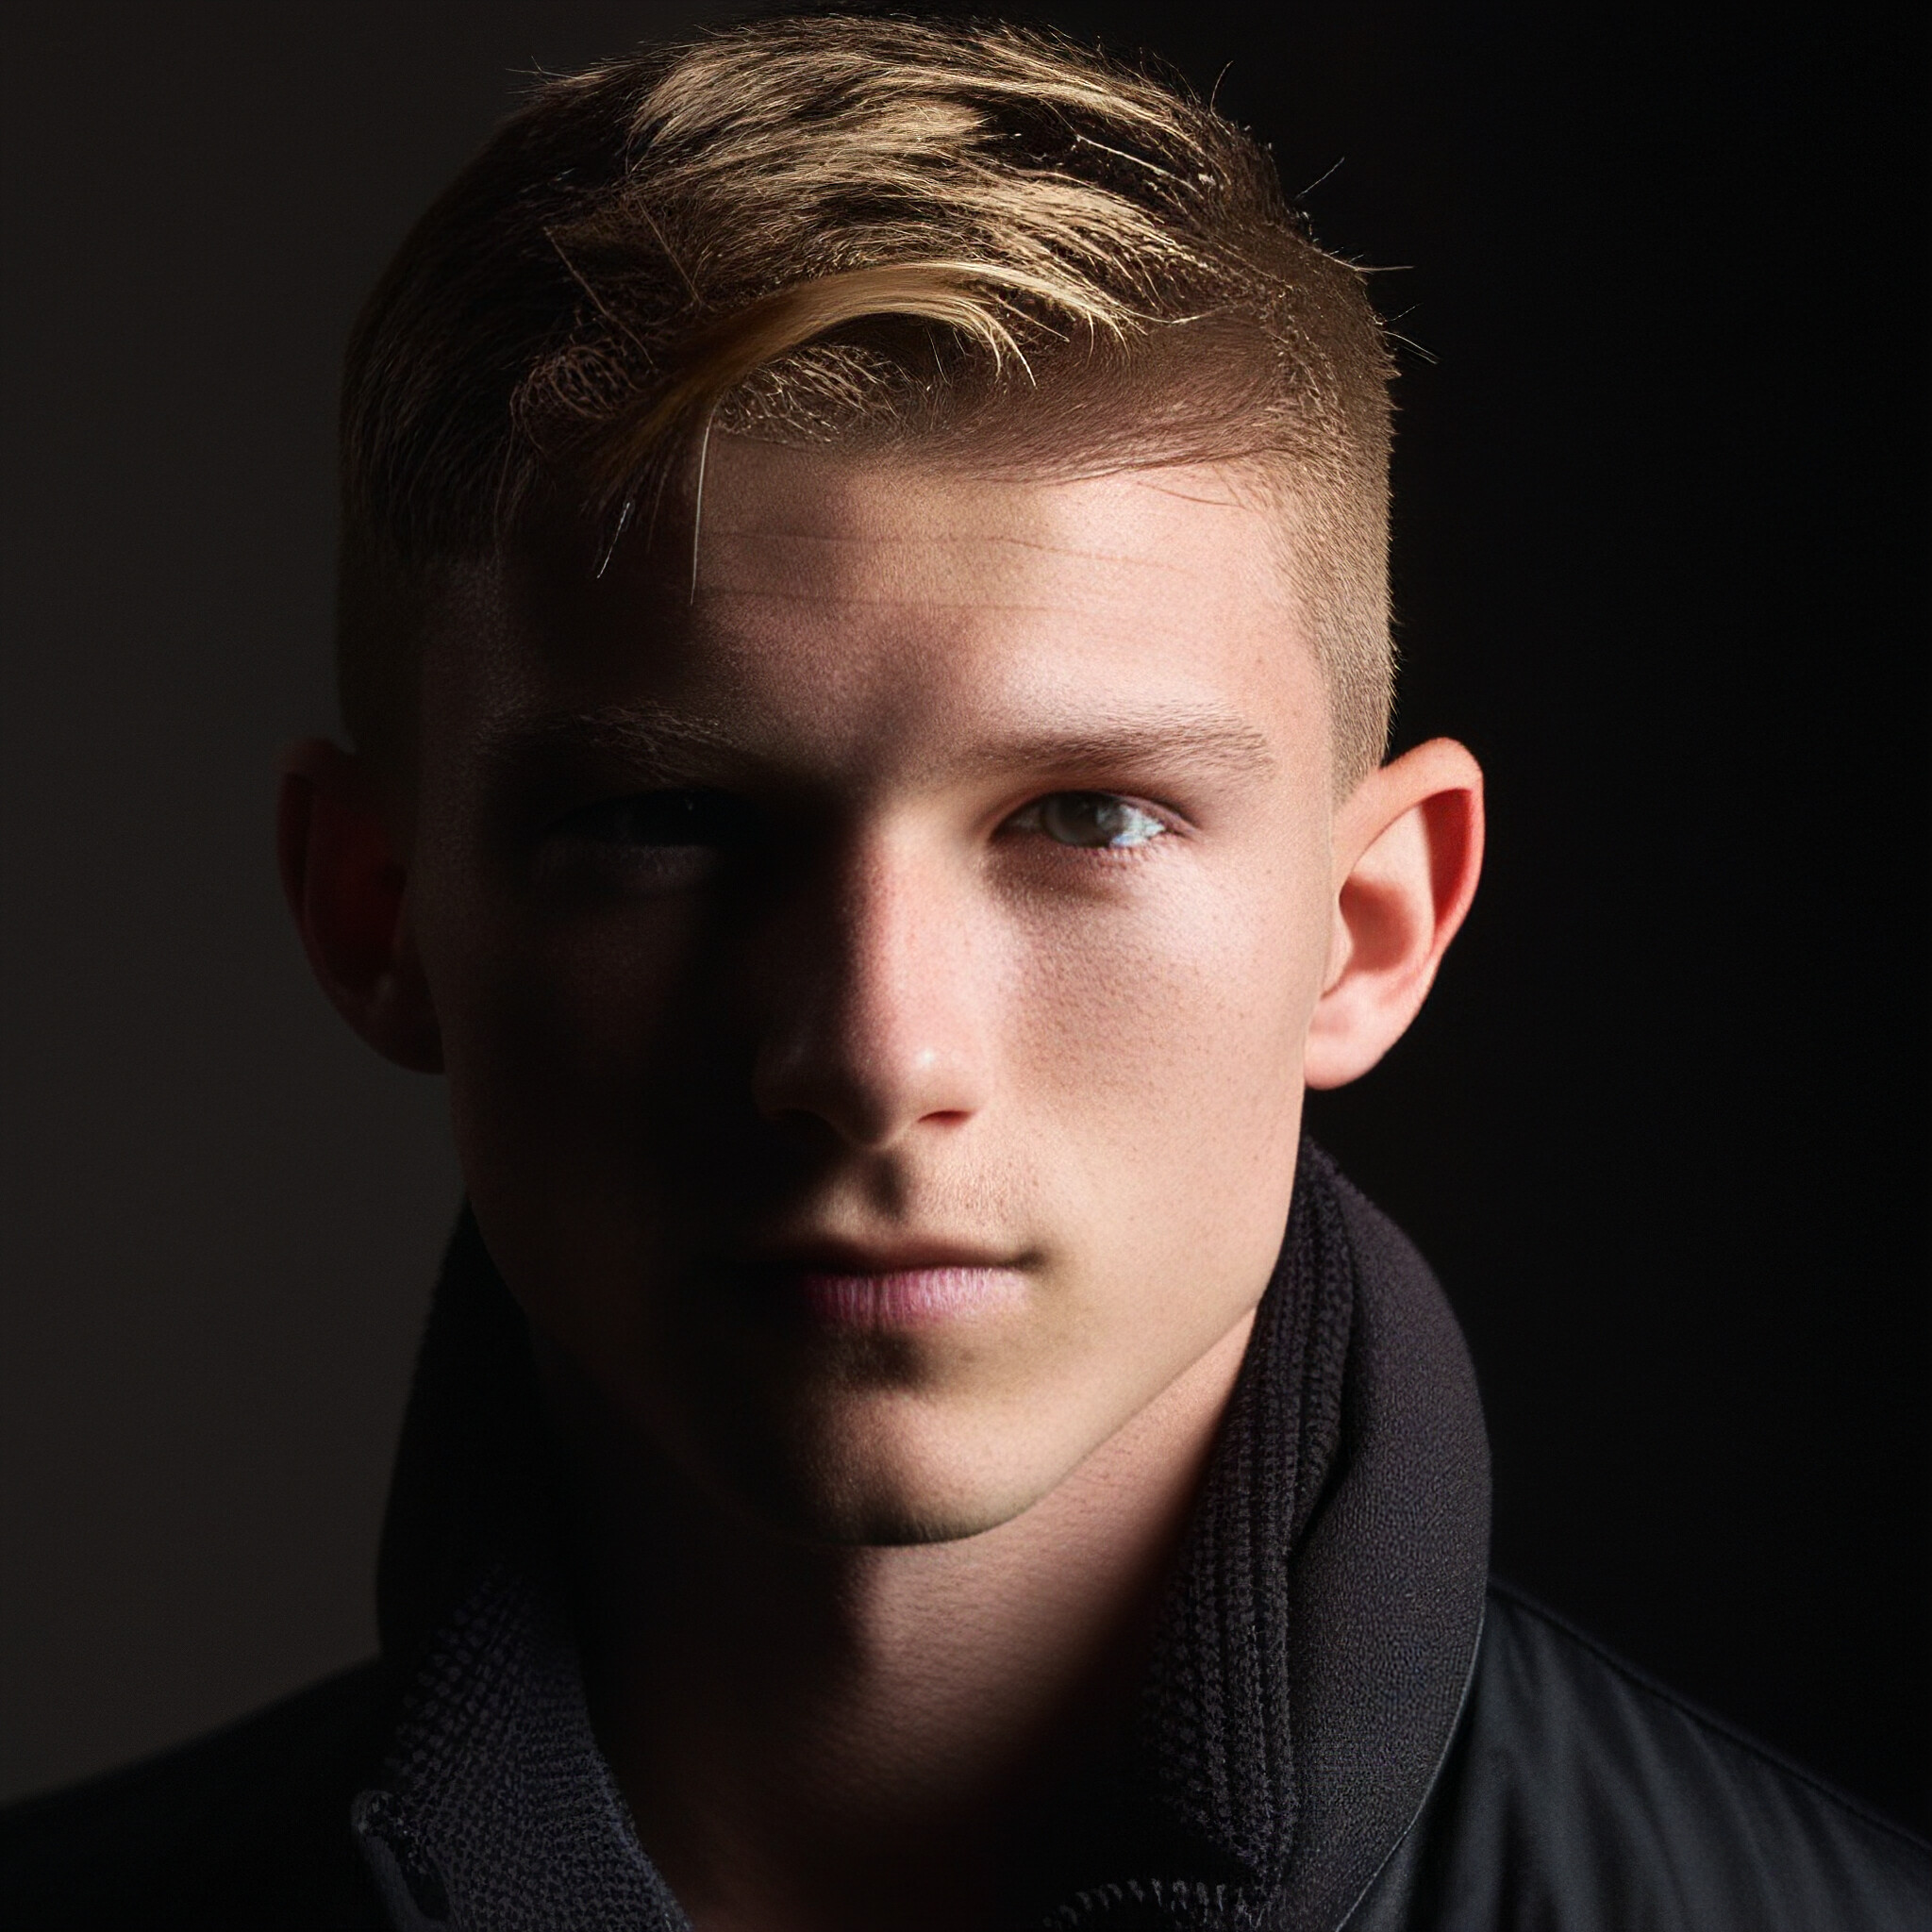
[906, 1298]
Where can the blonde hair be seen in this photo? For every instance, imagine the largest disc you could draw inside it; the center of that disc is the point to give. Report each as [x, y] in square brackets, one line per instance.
[871, 233]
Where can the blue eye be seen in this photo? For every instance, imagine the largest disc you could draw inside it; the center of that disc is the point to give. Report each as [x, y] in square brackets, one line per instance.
[1093, 821]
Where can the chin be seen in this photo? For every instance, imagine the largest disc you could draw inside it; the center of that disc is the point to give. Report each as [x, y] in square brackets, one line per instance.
[869, 1479]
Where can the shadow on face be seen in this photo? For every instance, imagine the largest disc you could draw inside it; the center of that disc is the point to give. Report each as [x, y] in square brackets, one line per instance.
[874, 971]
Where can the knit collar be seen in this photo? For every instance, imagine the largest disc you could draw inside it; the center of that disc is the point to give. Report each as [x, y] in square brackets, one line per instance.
[1316, 1641]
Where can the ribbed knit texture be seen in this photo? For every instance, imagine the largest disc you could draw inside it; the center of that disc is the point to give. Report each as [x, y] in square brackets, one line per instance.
[497, 1779]
[1217, 1727]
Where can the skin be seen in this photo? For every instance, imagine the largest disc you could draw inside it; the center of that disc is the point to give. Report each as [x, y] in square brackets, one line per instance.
[861, 989]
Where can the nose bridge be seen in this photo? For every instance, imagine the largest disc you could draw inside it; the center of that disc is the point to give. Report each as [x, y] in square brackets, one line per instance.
[872, 1024]
[885, 916]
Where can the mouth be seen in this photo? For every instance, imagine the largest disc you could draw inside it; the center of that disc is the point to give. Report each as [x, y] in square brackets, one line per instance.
[902, 1289]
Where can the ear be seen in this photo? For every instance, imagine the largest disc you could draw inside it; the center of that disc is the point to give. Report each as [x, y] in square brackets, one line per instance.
[1409, 848]
[347, 889]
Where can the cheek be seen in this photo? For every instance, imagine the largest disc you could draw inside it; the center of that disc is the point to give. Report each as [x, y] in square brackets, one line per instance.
[1158, 1075]
[575, 1086]
[1168, 1037]
[566, 1038]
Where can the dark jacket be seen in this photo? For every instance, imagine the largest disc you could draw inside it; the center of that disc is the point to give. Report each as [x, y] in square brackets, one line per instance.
[1344, 1722]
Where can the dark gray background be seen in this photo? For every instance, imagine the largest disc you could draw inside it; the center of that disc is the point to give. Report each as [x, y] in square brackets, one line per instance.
[1662, 1129]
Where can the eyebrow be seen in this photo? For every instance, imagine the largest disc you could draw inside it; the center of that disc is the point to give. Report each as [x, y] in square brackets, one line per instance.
[1197, 738]
[666, 744]
[655, 740]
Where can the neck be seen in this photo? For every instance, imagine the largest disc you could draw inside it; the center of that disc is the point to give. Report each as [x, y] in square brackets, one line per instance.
[857, 1737]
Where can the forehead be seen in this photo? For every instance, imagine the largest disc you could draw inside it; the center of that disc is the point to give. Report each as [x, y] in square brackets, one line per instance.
[891, 605]
[811, 526]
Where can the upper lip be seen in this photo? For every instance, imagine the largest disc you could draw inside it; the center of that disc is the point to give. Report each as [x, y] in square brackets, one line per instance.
[822, 1256]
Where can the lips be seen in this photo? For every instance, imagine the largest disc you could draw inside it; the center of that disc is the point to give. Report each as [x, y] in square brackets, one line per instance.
[849, 1288]
[902, 1298]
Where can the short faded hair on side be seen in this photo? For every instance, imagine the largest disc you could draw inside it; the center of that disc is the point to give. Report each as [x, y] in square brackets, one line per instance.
[978, 240]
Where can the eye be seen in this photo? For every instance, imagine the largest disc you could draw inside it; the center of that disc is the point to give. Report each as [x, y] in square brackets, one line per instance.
[646, 841]
[1094, 821]
[658, 819]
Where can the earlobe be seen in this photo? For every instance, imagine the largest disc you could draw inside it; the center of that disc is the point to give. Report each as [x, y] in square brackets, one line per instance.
[347, 890]
[1408, 846]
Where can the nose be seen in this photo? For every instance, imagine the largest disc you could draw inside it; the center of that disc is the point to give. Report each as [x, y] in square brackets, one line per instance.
[873, 1018]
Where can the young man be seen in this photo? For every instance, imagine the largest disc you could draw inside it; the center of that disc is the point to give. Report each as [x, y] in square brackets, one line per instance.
[865, 638]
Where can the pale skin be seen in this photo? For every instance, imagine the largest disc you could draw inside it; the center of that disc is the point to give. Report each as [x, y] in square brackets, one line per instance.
[952, 887]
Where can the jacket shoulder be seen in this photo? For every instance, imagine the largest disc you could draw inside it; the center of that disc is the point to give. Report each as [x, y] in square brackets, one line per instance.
[1585, 1797]
[248, 1826]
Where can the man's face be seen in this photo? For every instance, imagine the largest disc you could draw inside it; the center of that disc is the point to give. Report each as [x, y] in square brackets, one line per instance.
[873, 979]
